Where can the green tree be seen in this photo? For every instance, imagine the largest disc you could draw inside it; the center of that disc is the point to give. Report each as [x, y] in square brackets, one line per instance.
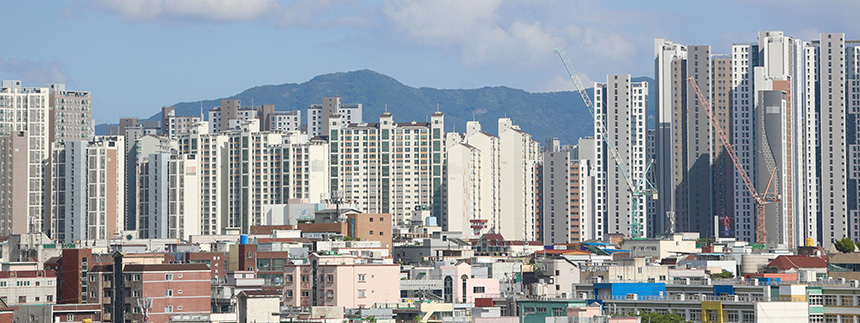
[724, 274]
[661, 318]
[845, 245]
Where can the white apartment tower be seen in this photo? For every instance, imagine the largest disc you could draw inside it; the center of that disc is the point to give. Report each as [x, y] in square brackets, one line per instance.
[463, 181]
[88, 183]
[24, 148]
[620, 104]
[170, 197]
[506, 168]
[389, 167]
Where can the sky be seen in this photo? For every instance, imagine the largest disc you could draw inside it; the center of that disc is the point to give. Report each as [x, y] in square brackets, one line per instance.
[138, 55]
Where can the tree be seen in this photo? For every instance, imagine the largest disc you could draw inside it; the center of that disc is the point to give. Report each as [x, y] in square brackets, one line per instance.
[724, 274]
[845, 245]
[662, 318]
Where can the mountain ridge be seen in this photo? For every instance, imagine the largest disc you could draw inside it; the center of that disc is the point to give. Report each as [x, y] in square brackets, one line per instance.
[542, 114]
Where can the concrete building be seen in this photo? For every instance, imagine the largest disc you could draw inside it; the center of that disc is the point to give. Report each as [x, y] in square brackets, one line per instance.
[173, 125]
[258, 306]
[24, 147]
[169, 192]
[388, 167]
[371, 227]
[693, 172]
[335, 280]
[283, 121]
[28, 287]
[568, 194]
[319, 115]
[462, 181]
[501, 204]
[71, 114]
[87, 191]
[620, 105]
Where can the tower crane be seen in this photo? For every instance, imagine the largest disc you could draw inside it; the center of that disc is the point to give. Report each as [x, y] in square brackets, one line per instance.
[761, 199]
[642, 186]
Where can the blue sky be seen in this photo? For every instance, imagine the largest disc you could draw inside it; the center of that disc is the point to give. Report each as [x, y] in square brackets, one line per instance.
[137, 55]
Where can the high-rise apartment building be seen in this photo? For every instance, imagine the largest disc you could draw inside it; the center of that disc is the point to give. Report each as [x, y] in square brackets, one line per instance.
[169, 193]
[505, 204]
[71, 114]
[173, 125]
[568, 194]
[242, 170]
[389, 167]
[831, 95]
[88, 183]
[318, 115]
[620, 104]
[24, 147]
[767, 119]
[665, 53]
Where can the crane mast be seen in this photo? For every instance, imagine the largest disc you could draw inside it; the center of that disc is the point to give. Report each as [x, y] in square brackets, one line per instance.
[642, 186]
[760, 199]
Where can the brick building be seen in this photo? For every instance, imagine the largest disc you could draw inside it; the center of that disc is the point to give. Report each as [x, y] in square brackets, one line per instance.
[158, 291]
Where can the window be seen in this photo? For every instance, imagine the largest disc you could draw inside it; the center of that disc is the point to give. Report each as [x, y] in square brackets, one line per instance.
[168, 309]
[305, 278]
[50, 298]
[136, 293]
[362, 277]
[289, 294]
[329, 293]
[289, 278]
[558, 311]
[168, 276]
[179, 291]
[70, 317]
[168, 292]
[329, 278]
[529, 310]
[179, 308]
[478, 289]
[22, 299]
[362, 293]
[542, 310]
[136, 277]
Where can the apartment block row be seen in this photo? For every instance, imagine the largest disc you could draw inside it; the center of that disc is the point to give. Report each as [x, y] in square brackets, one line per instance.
[787, 107]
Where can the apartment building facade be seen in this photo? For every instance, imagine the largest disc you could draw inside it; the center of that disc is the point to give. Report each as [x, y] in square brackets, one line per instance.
[620, 105]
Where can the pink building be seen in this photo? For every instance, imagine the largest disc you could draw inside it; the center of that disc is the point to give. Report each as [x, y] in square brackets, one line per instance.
[466, 287]
[341, 280]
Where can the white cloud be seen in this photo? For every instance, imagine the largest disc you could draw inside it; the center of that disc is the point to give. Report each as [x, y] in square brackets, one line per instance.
[206, 10]
[476, 29]
[35, 73]
[523, 35]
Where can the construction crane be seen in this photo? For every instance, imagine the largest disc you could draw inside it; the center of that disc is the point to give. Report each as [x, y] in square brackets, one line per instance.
[761, 200]
[642, 186]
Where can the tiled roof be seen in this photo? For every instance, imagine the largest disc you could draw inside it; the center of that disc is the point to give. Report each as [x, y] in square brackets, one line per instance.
[795, 262]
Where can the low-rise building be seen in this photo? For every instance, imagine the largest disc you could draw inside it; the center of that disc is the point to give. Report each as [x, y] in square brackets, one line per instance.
[28, 287]
[341, 280]
[158, 291]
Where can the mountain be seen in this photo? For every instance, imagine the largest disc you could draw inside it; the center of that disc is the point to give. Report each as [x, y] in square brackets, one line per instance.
[544, 115]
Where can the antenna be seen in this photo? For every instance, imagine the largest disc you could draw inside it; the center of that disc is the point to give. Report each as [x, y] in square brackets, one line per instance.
[386, 107]
[437, 107]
